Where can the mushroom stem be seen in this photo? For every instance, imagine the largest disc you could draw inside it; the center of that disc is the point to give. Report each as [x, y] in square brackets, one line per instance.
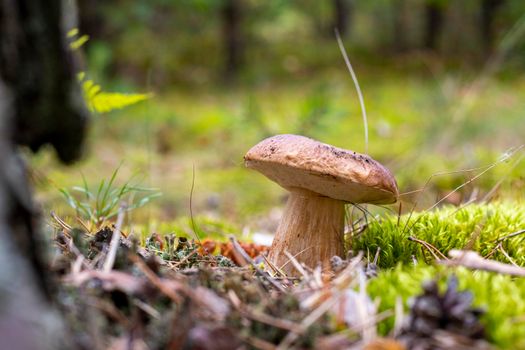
[311, 230]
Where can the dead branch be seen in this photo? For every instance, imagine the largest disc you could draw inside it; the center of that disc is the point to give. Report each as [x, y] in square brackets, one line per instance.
[474, 261]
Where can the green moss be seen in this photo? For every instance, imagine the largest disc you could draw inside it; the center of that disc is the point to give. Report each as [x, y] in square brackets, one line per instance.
[503, 298]
[446, 229]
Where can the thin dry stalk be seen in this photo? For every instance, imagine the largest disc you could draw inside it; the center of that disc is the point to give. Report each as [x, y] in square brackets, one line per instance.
[507, 155]
[66, 228]
[294, 256]
[514, 234]
[296, 264]
[504, 252]
[436, 253]
[115, 241]
[110, 310]
[184, 260]
[150, 310]
[356, 83]
[155, 280]
[371, 322]
[500, 241]
[399, 317]
[291, 337]
[193, 226]
[503, 178]
[257, 342]
[83, 224]
[237, 247]
[475, 234]
[273, 267]
[255, 315]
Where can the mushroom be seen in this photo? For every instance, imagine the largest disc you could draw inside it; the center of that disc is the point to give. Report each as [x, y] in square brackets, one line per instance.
[321, 179]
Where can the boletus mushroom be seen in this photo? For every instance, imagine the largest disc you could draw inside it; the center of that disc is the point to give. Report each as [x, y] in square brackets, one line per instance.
[321, 179]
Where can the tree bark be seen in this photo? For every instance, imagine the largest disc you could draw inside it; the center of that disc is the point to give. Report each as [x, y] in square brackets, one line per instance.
[489, 9]
[40, 102]
[399, 39]
[433, 24]
[342, 14]
[231, 13]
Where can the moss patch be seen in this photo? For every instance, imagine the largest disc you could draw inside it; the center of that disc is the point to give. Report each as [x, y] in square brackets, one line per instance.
[477, 227]
[503, 298]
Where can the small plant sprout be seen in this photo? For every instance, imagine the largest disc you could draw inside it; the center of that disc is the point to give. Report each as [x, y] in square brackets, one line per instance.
[101, 205]
[321, 179]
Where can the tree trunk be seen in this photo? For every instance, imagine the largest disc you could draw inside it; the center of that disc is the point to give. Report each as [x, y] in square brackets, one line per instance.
[489, 9]
[40, 102]
[399, 39]
[342, 14]
[231, 14]
[433, 24]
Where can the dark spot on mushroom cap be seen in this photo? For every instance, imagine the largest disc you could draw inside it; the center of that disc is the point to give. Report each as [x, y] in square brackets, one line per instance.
[325, 175]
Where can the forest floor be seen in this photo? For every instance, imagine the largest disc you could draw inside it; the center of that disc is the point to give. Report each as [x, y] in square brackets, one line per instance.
[188, 271]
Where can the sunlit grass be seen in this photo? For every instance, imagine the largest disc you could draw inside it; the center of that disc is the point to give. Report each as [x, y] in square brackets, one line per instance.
[411, 132]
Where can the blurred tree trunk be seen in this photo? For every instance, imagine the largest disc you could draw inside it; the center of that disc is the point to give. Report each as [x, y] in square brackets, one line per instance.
[433, 23]
[40, 103]
[399, 39]
[231, 14]
[342, 15]
[489, 10]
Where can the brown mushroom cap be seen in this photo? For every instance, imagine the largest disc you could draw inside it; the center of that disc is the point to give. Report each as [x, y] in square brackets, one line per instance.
[298, 162]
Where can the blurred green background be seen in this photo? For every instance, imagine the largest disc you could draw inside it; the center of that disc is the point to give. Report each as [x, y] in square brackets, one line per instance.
[442, 81]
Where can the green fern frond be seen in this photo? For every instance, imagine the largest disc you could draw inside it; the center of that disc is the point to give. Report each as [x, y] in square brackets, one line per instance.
[96, 99]
[103, 102]
[77, 41]
[72, 32]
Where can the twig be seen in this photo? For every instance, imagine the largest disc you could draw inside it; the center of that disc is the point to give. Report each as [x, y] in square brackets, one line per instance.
[399, 319]
[110, 310]
[309, 320]
[246, 257]
[500, 181]
[372, 321]
[155, 280]
[475, 234]
[66, 228]
[247, 312]
[504, 252]
[150, 310]
[399, 211]
[112, 280]
[500, 240]
[510, 153]
[514, 234]
[183, 260]
[81, 222]
[296, 264]
[433, 250]
[473, 260]
[295, 255]
[256, 342]
[115, 240]
[272, 266]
